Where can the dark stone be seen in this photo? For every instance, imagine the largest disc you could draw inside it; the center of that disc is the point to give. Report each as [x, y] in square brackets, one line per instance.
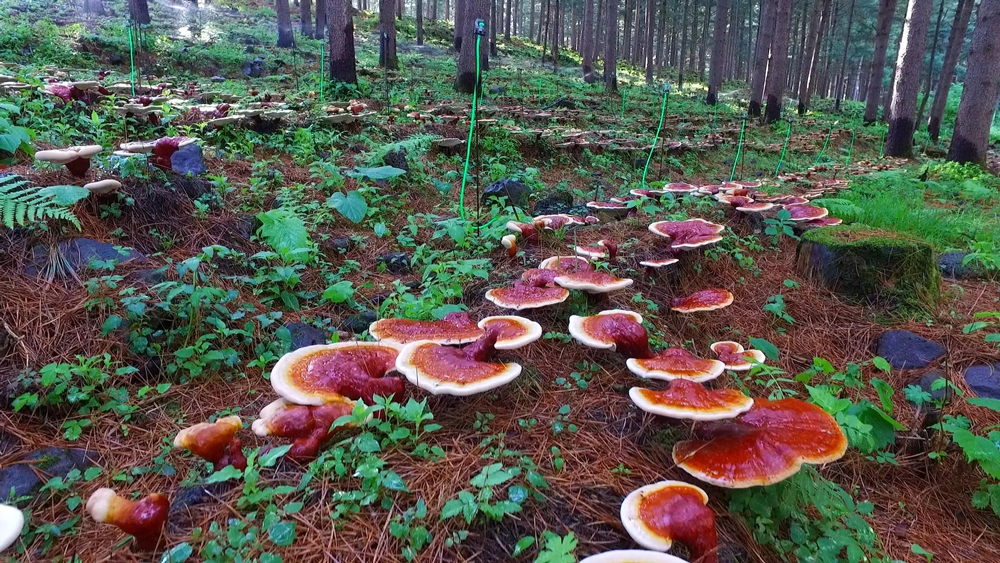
[951, 266]
[188, 497]
[248, 225]
[218, 79]
[559, 202]
[359, 322]
[395, 262]
[926, 383]
[984, 380]
[254, 68]
[397, 159]
[498, 91]
[342, 244]
[188, 160]
[79, 253]
[906, 350]
[305, 335]
[515, 191]
[48, 463]
[116, 59]
[152, 276]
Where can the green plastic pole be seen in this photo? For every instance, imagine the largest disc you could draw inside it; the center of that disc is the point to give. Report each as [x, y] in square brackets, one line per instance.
[784, 148]
[468, 144]
[882, 146]
[131, 57]
[663, 111]
[825, 143]
[739, 150]
[322, 73]
[623, 103]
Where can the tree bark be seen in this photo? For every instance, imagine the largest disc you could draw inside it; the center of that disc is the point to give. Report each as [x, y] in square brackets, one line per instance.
[841, 86]
[343, 66]
[611, 47]
[715, 71]
[799, 59]
[320, 29]
[764, 39]
[94, 7]
[139, 11]
[886, 11]
[305, 18]
[285, 38]
[979, 96]
[956, 40]
[930, 67]
[650, 25]
[494, 19]
[777, 71]
[465, 79]
[555, 38]
[684, 41]
[399, 9]
[703, 43]
[588, 39]
[899, 140]
[460, 10]
[508, 20]
[420, 21]
[387, 35]
[810, 65]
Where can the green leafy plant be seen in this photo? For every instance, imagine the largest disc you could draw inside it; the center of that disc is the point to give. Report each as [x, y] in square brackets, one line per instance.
[22, 204]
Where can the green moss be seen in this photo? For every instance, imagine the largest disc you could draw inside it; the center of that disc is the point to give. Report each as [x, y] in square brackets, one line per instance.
[872, 266]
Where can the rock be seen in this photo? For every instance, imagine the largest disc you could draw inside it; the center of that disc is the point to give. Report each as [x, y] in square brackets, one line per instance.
[254, 68]
[359, 322]
[218, 78]
[48, 462]
[926, 383]
[515, 191]
[984, 380]
[188, 497]
[305, 335]
[342, 244]
[247, 225]
[397, 159]
[498, 91]
[79, 253]
[906, 350]
[395, 262]
[188, 160]
[951, 266]
[934, 152]
[871, 267]
[152, 276]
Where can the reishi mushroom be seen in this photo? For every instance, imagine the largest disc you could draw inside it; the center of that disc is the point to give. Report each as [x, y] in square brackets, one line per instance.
[765, 445]
[514, 331]
[445, 370]
[805, 212]
[592, 281]
[704, 300]
[75, 159]
[659, 514]
[215, 442]
[688, 400]
[103, 187]
[316, 375]
[565, 264]
[618, 330]
[735, 356]
[454, 328]
[604, 248]
[510, 243]
[632, 556]
[307, 425]
[526, 230]
[685, 235]
[11, 524]
[675, 363]
[143, 519]
[523, 295]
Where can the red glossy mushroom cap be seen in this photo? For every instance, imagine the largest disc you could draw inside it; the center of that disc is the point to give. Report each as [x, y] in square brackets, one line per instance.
[734, 200]
[143, 519]
[646, 193]
[614, 329]
[709, 190]
[214, 441]
[325, 373]
[704, 300]
[767, 444]
[792, 200]
[565, 264]
[657, 515]
[307, 426]
[592, 281]
[445, 370]
[632, 556]
[692, 401]
[688, 234]
[603, 249]
[824, 222]
[454, 328]
[675, 363]
[755, 207]
[806, 212]
[523, 295]
[514, 332]
[526, 230]
[735, 357]
[556, 222]
[680, 188]
[609, 207]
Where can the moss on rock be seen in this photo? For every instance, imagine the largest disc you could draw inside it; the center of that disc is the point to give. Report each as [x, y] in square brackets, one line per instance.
[871, 266]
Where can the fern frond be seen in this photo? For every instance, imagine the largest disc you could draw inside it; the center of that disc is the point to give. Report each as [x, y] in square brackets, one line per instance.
[22, 204]
[414, 145]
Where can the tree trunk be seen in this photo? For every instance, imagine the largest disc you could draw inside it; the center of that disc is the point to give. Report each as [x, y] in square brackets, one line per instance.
[139, 11]
[777, 69]
[399, 9]
[930, 67]
[886, 11]
[387, 35]
[956, 40]
[320, 29]
[434, 10]
[979, 97]
[672, 55]
[810, 64]
[459, 33]
[508, 19]
[494, 19]
[764, 39]
[420, 21]
[588, 39]
[465, 80]
[94, 7]
[899, 140]
[650, 25]
[611, 47]
[285, 38]
[703, 43]
[715, 71]
[531, 15]
[841, 87]
[684, 41]
[555, 38]
[800, 54]
[305, 17]
[343, 66]
[661, 43]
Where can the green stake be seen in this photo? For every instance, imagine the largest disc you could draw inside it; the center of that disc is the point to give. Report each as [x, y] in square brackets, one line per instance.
[825, 143]
[663, 111]
[788, 135]
[623, 103]
[131, 57]
[322, 72]
[739, 150]
[882, 146]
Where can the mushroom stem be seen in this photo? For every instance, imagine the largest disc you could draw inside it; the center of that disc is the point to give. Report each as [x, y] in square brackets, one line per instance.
[481, 350]
[78, 167]
[143, 519]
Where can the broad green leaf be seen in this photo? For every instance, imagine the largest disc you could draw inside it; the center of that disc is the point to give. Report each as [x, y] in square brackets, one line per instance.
[351, 205]
[339, 292]
[522, 544]
[65, 195]
[980, 449]
[270, 457]
[770, 350]
[376, 173]
[284, 231]
[177, 554]
[282, 533]
[881, 363]
[226, 473]
[986, 402]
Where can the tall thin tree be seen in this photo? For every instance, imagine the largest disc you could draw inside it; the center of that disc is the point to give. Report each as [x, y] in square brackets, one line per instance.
[465, 79]
[979, 96]
[956, 40]
[930, 66]
[777, 70]
[684, 40]
[387, 34]
[764, 39]
[909, 61]
[611, 47]
[588, 40]
[343, 64]
[420, 22]
[811, 76]
[321, 18]
[718, 67]
[285, 38]
[460, 21]
[650, 24]
[886, 11]
[806, 64]
[841, 86]
[305, 18]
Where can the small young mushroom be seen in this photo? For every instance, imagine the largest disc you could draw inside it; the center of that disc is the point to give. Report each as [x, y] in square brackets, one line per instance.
[615, 329]
[526, 230]
[767, 444]
[75, 159]
[522, 295]
[103, 187]
[735, 357]
[11, 524]
[632, 556]
[454, 328]
[510, 243]
[307, 425]
[686, 399]
[215, 442]
[316, 375]
[704, 300]
[444, 370]
[692, 233]
[604, 248]
[675, 363]
[514, 331]
[657, 515]
[143, 519]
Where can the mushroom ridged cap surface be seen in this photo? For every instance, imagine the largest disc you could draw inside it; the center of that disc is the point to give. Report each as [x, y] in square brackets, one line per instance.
[633, 556]
[514, 331]
[688, 234]
[102, 187]
[704, 300]
[765, 445]
[525, 296]
[736, 357]
[657, 515]
[11, 524]
[685, 399]
[443, 370]
[454, 328]
[614, 329]
[676, 363]
[592, 281]
[805, 212]
[319, 374]
[566, 264]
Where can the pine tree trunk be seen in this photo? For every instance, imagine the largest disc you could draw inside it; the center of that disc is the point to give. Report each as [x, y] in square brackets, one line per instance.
[841, 87]
[420, 21]
[508, 20]
[956, 40]
[930, 67]
[343, 66]
[94, 7]
[399, 9]
[672, 56]
[627, 31]
[661, 43]
[810, 64]
[305, 18]
[717, 69]
[979, 96]
[494, 19]
[886, 11]
[434, 10]
[764, 39]
[139, 11]
[555, 38]
[285, 38]
[611, 47]
[465, 80]
[459, 33]
[703, 43]
[800, 52]
[650, 26]
[387, 35]
[777, 70]
[531, 14]
[683, 49]
[588, 40]
[320, 29]
[899, 140]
